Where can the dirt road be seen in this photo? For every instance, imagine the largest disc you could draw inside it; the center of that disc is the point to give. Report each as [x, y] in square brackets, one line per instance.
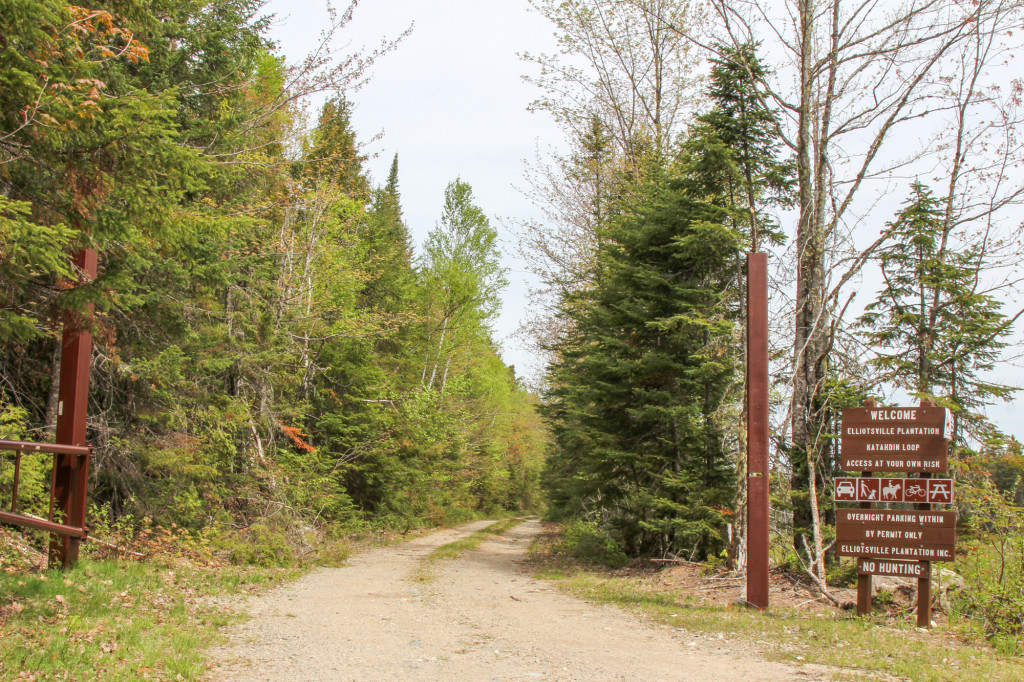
[482, 617]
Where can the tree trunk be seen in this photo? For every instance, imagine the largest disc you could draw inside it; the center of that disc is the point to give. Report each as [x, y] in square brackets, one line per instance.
[811, 328]
[53, 396]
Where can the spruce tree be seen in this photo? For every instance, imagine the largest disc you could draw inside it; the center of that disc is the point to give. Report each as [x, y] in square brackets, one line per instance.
[935, 330]
[639, 381]
[732, 152]
[390, 276]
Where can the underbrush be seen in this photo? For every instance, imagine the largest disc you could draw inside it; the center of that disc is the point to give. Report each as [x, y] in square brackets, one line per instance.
[887, 643]
[584, 541]
[991, 602]
[269, 543]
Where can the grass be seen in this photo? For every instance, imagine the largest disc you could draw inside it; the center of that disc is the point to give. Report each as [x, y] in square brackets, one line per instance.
[452, 550]
[117, 620]
[850, 645]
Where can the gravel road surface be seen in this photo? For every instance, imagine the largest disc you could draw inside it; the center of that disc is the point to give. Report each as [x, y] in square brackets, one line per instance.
[482, 617]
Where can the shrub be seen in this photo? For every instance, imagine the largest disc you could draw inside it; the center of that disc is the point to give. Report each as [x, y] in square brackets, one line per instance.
[842, 574]
[583, 540]
[992, 566]
[259, 545]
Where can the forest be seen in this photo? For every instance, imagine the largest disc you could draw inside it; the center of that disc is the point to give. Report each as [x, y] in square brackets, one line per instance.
[272, 357]
[275, 358]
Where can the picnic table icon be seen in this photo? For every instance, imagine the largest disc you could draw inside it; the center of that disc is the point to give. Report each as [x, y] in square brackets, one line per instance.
[939, 489]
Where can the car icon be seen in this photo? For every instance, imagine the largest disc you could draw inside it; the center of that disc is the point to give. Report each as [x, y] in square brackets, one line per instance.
[846, 489]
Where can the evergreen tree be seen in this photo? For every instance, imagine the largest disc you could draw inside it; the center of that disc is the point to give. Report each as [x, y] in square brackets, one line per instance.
[390, 273]
[639, 381]
[333, 154]
[938, 332]
[732, 152]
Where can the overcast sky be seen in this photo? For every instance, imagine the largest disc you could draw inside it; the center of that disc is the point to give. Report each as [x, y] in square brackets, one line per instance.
[450, 101]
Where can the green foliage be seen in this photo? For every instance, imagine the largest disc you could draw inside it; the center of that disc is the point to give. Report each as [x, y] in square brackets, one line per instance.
[645, 377]
[941, 328]
[261, 328]
[30, 256]
[731, 154]
[842, 573]
[639, 381]
[990, 559]
[586, 542]
[261, 544]
[34, 477]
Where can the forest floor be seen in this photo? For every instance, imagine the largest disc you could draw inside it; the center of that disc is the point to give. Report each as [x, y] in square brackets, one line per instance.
[394, 614]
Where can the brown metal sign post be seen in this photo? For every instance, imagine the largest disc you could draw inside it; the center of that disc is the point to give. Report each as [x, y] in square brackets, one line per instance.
[71, 473]
[757, 430]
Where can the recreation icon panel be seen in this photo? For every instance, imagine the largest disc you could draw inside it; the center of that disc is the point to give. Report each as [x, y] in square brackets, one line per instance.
[908, 490]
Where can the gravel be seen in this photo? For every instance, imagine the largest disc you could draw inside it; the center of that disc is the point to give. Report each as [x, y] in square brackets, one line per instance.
[481, 617]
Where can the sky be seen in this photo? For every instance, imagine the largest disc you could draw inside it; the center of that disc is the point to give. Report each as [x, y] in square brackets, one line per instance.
[451, 102]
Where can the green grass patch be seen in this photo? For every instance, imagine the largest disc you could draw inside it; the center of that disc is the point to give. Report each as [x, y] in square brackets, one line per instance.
[118, 620]
[852, 646]
[452, 550]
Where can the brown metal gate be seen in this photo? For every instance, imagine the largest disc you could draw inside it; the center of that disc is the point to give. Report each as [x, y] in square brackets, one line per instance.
[67, 496]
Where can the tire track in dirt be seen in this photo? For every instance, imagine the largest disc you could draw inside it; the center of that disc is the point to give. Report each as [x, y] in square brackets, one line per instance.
[482, 617]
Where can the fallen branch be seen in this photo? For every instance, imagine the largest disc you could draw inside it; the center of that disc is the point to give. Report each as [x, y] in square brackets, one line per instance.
[809, 601]
[676, 561]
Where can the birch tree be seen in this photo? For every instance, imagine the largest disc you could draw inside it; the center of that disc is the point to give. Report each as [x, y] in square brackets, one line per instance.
[463, 279]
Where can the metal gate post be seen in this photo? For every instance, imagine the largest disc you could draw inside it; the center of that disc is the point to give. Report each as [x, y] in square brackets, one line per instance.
[757, 430]
[71, 473]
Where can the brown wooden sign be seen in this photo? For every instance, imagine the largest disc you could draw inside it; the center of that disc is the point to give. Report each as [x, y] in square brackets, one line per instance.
[890, 439]
[894, 439]
[893, 534]
[909, 490]
[896, 569]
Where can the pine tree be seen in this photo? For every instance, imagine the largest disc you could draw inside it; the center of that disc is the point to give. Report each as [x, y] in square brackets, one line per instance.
[638, 383]
[936, 331]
